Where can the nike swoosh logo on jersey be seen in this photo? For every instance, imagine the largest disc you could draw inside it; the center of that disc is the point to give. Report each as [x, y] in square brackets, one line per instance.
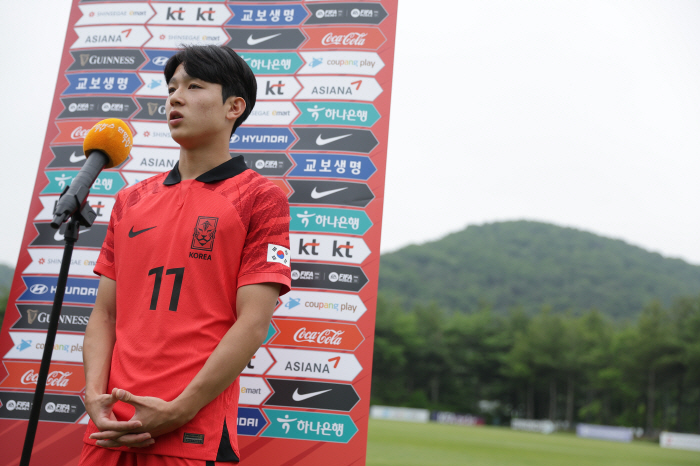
[260, 40]
[322, 142]
[75, 159]
[297, 397]
[58, 236]
[318, 195]
[133, 233]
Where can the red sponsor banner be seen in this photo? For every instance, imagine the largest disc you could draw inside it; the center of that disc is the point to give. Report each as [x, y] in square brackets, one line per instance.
[62, 377]
[364, 49]
[310, 334]
[73, 132]
[361, 38]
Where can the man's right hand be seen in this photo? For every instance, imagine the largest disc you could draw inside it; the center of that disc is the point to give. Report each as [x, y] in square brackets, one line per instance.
[99, 408]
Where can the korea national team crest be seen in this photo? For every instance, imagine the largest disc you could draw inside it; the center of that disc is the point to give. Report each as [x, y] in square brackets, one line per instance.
[277, 253]
[204, 232]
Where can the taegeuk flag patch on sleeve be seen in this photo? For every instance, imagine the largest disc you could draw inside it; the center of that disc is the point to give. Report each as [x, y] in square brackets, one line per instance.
[279, 254]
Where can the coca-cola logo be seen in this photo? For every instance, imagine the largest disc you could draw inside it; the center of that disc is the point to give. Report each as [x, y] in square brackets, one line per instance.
[352, 38]
[55, 379]
[79, 133]
[325, 337]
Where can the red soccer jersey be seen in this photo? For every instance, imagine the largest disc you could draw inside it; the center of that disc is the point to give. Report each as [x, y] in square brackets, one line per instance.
[178, 251]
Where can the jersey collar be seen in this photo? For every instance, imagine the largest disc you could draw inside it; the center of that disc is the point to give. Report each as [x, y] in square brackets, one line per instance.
[226, 170]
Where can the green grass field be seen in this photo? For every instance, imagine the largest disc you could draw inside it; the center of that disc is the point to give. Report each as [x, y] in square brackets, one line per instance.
[405, 444]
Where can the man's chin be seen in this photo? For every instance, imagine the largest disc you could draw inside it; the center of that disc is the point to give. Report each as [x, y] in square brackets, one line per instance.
[182, 139]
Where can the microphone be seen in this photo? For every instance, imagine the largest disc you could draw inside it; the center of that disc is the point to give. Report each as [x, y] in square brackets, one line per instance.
[106, 145]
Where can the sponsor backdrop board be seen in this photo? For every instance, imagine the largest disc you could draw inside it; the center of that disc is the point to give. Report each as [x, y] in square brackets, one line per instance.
[319, 131]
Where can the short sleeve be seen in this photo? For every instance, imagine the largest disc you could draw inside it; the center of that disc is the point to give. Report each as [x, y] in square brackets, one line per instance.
[265, 257]
[105, 262]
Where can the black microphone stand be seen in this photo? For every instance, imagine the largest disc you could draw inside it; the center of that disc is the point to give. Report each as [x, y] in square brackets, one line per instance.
[85, 216]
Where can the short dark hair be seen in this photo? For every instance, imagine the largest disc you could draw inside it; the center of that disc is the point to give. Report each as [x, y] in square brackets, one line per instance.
[218, 65]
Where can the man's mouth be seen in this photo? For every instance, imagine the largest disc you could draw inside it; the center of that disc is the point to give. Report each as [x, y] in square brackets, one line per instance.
[175, 117]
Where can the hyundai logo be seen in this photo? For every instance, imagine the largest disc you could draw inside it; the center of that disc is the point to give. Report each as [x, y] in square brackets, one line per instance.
[159, 61]
[38, 289]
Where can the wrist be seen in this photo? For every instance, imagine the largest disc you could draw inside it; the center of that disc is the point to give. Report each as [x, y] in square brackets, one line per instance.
[183, 409]
[91, 394]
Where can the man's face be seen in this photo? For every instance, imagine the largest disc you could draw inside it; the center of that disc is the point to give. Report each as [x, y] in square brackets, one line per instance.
[195, 110]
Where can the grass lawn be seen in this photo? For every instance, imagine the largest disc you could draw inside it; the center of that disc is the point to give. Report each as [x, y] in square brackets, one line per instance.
[405, 444]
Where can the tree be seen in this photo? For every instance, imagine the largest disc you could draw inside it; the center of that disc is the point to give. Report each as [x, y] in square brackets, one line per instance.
[4, 296]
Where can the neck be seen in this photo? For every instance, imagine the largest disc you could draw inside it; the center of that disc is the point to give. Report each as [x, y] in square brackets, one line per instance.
[198, 160]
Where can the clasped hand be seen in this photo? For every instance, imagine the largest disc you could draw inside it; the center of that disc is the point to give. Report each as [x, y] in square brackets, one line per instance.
[153, 417]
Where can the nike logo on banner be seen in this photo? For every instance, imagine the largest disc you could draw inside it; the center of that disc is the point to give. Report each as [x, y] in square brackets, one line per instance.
[316, 195]
[133, 233]
[252, 41]
[322, 142]
[297, 397]
[75, 159]
[60, 236]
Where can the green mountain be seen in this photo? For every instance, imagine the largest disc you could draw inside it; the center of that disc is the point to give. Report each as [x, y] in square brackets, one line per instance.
[6, 274]
[530, 265]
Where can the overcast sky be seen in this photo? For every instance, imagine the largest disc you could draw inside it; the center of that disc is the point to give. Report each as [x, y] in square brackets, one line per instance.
[579, 113]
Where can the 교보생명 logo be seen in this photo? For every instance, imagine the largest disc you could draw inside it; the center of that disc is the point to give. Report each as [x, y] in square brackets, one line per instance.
[204, 233]
[264, 15]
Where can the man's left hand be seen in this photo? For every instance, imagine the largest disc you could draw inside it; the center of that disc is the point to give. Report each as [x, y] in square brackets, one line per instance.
[157, 417]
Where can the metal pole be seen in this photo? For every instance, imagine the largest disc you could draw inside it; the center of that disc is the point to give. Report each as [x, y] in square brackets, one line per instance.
[71, 237]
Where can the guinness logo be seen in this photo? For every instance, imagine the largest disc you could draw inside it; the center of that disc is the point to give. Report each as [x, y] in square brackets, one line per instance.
[31, 315]
[84, 57]
[152, 108]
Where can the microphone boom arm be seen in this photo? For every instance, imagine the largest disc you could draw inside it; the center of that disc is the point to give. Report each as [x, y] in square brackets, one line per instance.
[75, 195]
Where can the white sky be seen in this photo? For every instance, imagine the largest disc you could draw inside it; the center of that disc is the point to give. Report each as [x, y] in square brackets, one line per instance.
[581, 113]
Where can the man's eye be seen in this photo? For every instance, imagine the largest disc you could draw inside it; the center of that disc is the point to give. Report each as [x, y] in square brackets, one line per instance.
[171, 90]
[197, 86]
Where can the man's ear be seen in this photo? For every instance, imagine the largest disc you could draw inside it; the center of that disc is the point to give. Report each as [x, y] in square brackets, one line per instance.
[235, 107]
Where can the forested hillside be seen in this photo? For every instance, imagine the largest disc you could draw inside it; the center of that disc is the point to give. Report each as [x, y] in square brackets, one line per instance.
[529, 265]
[6, 274]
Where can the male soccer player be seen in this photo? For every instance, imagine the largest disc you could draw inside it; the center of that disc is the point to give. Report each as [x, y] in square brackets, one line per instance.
[191, 268]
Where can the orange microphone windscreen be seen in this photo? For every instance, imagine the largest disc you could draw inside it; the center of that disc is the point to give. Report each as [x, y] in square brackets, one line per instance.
[111, 136]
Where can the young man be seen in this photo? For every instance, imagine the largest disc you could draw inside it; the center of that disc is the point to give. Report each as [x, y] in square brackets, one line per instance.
[191, 268]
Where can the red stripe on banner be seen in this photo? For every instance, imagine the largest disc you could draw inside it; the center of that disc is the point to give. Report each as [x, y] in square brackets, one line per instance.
[12, 427]
[256, 446]
[46, 451]
[67, 430]
[303, 455]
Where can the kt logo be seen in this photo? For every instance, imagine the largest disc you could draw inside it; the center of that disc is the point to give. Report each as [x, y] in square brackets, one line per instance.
[271, 88]
[204, 231]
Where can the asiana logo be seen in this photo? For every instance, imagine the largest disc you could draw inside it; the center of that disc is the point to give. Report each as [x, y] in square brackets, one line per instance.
[204, 233]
